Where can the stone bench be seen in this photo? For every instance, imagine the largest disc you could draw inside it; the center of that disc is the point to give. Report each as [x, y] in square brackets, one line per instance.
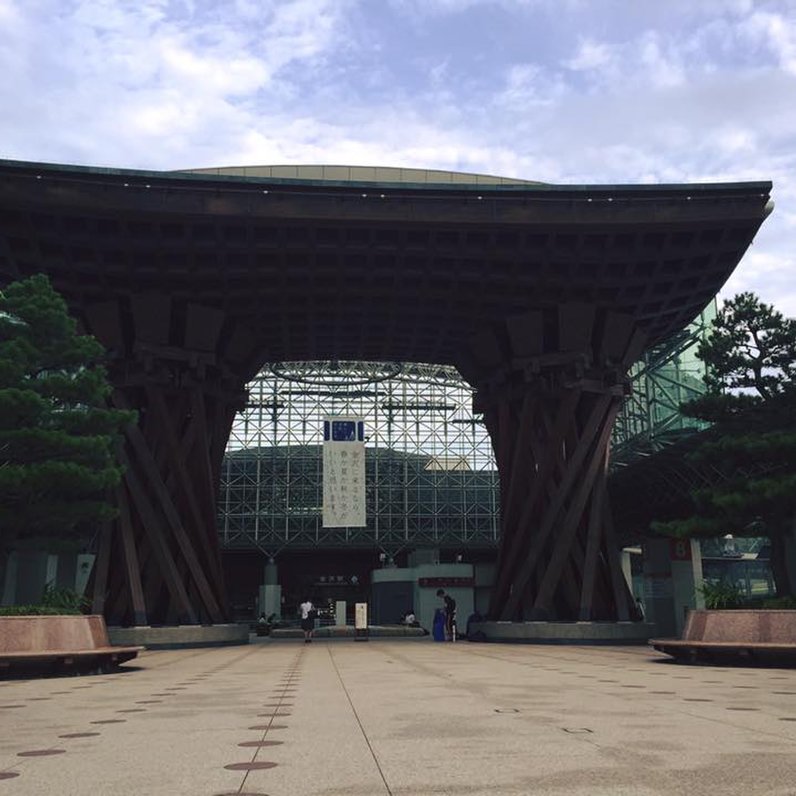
[709, 635]
[58, 644]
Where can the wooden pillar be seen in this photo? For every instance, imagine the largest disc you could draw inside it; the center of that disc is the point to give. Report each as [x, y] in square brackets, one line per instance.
[550, 385]
[184, 373]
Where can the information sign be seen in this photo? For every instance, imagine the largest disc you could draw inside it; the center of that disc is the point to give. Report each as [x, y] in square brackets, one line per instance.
[344, 472]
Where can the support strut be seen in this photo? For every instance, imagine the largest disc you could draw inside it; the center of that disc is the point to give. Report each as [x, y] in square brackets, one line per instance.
[550, 385]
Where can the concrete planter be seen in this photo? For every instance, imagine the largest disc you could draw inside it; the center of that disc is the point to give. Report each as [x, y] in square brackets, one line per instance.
[564, 632]
[181, 636]
[348, 631]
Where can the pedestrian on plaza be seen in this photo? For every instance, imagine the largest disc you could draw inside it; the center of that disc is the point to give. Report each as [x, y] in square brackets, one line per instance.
[450, 614]
[308, 614]
[475, 616]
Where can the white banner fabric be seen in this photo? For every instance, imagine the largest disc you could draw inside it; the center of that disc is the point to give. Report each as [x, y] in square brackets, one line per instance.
[343, 473]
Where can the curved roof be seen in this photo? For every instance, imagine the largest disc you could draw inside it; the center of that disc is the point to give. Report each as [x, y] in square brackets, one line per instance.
[382, 175]
[284, 269]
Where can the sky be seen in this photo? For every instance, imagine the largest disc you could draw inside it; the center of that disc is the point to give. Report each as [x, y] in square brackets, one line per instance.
[562, 91]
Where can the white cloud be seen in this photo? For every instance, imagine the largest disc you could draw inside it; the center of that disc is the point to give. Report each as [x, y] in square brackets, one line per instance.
[735, 141]
[562, 92]
[8, 13]
[443, 7]
[772, 275]
[662, 67]
[591, 55]
[529, 84]
[217, 74]
[777, 32]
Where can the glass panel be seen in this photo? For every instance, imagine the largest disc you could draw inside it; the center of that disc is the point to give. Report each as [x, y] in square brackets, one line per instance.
[431, 478]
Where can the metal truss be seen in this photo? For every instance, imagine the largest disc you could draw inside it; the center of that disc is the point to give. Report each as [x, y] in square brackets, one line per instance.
[665, 377]
[431, 477]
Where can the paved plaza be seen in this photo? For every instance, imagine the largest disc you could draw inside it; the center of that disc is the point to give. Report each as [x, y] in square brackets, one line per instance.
[401, 717]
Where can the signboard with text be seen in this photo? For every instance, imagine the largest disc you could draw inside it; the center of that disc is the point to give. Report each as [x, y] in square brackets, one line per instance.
[344, 472]
[446, 583]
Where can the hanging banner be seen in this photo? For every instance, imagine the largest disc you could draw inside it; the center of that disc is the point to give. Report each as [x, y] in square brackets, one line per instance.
[344, 472]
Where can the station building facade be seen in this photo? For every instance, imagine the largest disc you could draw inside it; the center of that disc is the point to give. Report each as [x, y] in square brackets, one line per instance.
[432, 482]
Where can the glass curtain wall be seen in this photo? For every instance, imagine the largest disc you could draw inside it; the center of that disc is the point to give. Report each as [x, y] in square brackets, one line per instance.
[667, 376]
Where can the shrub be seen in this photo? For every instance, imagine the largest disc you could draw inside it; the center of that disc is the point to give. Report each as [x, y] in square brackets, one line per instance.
[34, 610]
[781, 603]
[54, 602]
[64, 601]
[721, 595]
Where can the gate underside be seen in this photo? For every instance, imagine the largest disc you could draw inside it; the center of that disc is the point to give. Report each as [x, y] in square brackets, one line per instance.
[542, 296]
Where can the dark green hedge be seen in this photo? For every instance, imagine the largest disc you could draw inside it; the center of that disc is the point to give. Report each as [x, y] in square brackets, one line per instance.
[36, 610]
[779, 603]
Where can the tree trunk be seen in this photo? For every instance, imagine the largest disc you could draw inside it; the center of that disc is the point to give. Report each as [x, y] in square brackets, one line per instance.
[4, 554]
[779, 565]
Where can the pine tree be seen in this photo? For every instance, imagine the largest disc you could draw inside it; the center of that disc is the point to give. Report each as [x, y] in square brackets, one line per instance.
[57, 434]
[751, 399]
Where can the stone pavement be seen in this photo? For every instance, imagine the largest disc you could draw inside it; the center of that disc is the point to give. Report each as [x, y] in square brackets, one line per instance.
[401, 717]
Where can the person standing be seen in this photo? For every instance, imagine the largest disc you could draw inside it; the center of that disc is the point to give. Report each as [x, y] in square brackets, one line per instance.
[450, 614]
[307, 619]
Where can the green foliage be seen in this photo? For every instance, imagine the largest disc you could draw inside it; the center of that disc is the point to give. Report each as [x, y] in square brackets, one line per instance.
[54, 602]
[35, 610]
[65, 601]
[780, 603]
[721, 595]
[57, 434]
[750, 453]
[751, 349]
[693, 526]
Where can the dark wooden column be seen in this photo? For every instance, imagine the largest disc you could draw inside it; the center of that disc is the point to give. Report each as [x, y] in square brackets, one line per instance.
[550, 384]
[183, 369]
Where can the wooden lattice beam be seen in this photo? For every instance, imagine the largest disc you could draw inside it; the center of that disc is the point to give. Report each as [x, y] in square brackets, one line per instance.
[549, 406]
[159, 561]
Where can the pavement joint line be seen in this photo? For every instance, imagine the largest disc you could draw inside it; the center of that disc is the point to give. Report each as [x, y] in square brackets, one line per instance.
[359, 722]
[259, 680]
[559, 657]
[724, 722]
[624, 694]
[257, 750]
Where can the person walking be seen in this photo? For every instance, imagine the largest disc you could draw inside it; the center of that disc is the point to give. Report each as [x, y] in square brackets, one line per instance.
[307, 619]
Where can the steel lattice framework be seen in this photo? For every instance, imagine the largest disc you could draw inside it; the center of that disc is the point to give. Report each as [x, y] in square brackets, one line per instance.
[666, 376]
[430, 472]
